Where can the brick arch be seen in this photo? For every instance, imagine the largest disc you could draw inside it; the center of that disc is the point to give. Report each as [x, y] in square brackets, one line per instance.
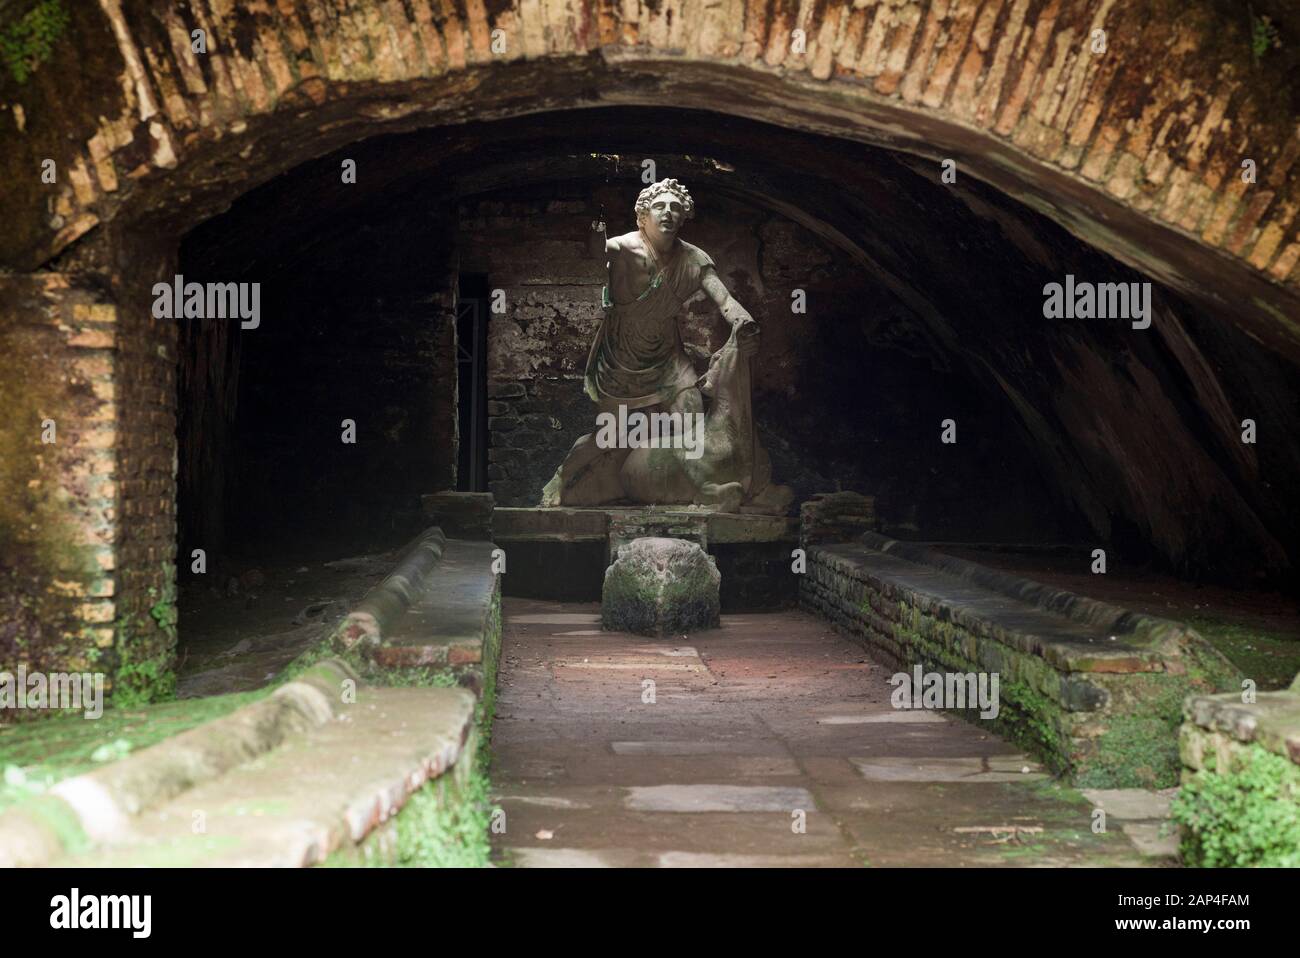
[1137, 152]
[1137, 149]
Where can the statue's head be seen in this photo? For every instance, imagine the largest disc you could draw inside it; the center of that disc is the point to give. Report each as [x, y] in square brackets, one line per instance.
[663, 207]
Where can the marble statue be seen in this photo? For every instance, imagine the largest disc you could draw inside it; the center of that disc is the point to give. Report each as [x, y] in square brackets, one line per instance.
[658, 441]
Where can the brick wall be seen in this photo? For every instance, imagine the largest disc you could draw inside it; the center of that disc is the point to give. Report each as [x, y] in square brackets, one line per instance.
[60, 591]
[145, 441]
[531, 247]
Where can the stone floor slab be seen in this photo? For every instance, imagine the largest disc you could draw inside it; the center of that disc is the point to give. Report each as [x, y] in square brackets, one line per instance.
[877, 718]
[703, 860]
[1132, 804]
[894, 769]
[718, 798]
[705, 747]
[571, 858]
[1153, 839]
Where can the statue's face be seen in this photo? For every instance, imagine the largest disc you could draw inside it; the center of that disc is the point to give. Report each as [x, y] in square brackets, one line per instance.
[665, 216]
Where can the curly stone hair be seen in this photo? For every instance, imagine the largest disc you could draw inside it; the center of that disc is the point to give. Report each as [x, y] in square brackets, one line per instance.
[647, 196]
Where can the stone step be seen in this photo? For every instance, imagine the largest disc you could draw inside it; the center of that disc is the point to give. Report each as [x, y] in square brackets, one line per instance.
[324, 790]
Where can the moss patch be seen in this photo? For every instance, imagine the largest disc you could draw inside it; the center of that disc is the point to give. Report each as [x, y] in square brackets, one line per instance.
[145, 651]
[1247, 816]
[36, 756]
[1271, 658]
[445, 824]
[29, 41]
[1139, 748]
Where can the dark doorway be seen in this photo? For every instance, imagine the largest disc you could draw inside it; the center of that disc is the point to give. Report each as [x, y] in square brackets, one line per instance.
[471, 382]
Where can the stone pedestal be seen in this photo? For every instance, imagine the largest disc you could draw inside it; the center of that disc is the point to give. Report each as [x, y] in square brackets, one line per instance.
[661, 587]
[626, 527]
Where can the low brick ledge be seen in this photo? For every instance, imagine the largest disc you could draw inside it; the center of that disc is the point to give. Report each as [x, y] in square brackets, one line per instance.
[1138, 633]
[1095, 689]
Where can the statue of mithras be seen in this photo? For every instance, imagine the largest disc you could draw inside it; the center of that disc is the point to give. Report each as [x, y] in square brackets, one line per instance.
[656, 442]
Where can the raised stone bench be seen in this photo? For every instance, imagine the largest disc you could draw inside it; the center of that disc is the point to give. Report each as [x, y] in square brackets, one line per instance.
[1094, 689]
[284, 781]
[440, 607]
[388, 601]
[317, 793]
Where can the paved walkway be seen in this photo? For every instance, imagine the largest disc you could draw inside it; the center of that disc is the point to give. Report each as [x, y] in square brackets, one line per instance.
[769, 741]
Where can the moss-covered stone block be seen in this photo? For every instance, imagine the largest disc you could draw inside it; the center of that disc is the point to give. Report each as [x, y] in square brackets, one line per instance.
[660, 586]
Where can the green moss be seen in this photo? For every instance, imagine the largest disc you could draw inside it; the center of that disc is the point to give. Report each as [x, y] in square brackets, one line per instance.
[141, 681]
[424, 677]
[29, 41]
[1136, 751]
[1247, 816]
[1263, 36]
[146, 659]
[1270, 657]
[1139, 748]
[1055, 791]
[445, 824]
[57, 816]
[1031, 723]
[37, 755]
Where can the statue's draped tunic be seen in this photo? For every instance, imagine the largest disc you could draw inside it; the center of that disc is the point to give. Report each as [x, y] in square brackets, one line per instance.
[637, 358]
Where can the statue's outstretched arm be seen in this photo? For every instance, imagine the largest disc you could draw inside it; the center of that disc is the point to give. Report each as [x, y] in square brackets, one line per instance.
[732, 311]
[598, 243]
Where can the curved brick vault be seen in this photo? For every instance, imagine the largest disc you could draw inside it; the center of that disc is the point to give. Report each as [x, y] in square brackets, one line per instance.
[1137, 151]
[959, 262]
